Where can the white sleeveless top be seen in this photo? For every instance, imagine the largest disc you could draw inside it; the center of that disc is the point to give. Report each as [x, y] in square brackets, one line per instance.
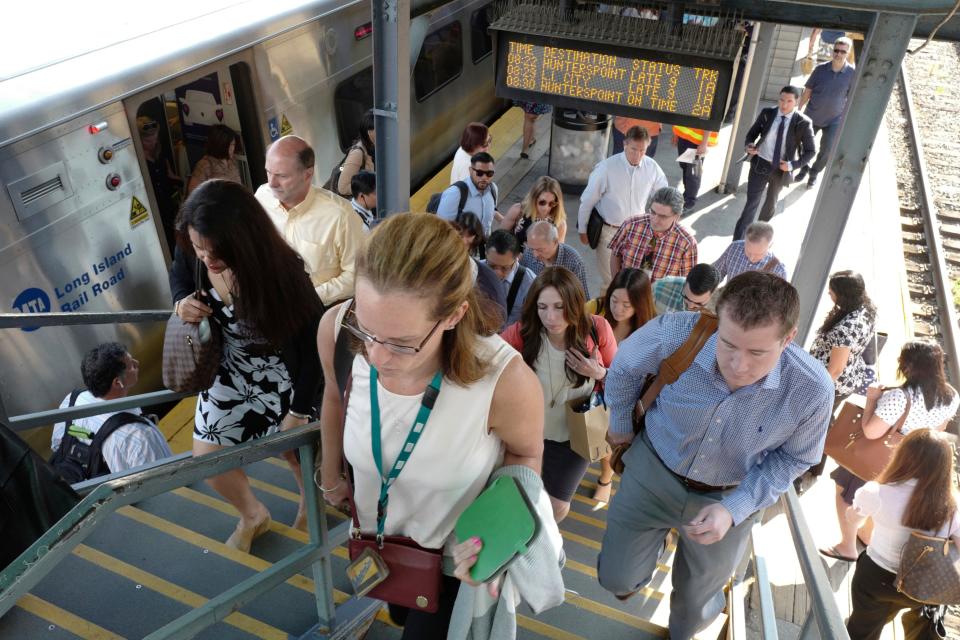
[452, 460]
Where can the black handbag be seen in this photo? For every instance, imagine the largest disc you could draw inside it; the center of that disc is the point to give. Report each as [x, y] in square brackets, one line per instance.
[594, 227]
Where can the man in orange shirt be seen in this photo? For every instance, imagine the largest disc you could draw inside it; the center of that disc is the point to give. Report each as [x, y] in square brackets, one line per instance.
[687, 138]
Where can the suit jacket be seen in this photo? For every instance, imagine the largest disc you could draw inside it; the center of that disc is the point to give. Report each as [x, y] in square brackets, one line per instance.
[800, 147]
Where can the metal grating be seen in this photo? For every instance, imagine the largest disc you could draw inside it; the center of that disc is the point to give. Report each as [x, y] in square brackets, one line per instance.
[33, 194]
[708, 31]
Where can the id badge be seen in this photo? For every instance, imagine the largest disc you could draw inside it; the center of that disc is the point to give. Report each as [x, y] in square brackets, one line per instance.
[367, 571]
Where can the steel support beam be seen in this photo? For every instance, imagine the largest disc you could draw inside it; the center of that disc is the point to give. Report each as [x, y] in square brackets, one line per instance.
[391, 100]
[883, 53]
[317, 526]
[757, 71]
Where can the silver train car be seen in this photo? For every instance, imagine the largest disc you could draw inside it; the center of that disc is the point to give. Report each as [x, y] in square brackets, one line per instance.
[97, 140]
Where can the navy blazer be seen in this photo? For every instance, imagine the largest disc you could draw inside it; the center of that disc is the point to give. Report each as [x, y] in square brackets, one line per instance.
[800, 146]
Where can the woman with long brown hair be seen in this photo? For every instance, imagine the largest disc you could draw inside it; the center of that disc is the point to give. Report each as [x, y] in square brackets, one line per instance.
[627, 306]
[218, 159]
[569, 350]
[544, 201]
[931, 403]
[254, 285]
[914, 493]
[416, 323]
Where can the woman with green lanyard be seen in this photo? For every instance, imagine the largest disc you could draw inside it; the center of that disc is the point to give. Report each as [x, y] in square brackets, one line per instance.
[454, 401]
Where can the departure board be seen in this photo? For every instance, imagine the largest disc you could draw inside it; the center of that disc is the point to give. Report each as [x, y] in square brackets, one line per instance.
[643, 84]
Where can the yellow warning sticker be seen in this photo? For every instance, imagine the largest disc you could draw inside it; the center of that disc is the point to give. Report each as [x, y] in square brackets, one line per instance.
[138, 212]
[285, 127]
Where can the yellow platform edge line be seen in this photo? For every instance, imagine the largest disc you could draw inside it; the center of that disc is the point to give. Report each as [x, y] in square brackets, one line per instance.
[177, 425]
[64, 619]
[253, 562]
[587, 570]
[615, 614]
[545, 629]
[504, 131]
[174, 592]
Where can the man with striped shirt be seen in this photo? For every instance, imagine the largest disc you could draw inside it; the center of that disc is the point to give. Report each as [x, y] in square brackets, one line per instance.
[721, 443]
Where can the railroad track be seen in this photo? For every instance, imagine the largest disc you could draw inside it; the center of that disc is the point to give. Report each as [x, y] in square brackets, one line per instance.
[922, 119]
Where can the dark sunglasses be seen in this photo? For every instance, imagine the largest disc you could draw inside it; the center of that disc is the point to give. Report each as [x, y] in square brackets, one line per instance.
[482, 173]
[841, 50]
[544, 203]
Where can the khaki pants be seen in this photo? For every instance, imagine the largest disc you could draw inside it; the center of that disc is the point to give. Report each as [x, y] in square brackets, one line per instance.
[603, 257]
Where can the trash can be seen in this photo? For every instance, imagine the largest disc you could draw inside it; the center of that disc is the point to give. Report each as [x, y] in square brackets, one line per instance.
[578, 141]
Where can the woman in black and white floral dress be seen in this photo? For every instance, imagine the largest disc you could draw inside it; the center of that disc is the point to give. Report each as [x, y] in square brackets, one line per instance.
[845, 333]
[255, 287]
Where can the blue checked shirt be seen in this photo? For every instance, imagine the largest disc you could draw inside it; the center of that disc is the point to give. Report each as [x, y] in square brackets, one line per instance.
[761, 436]
[567, 257]
[733, 261]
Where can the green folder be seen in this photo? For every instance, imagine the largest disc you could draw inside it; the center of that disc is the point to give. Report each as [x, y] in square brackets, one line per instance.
[504, 520]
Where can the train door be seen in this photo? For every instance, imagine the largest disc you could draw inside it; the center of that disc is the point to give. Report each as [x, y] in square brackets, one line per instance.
[202, 124]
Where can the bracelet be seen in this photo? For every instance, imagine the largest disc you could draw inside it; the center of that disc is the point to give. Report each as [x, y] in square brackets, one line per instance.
[176, 307]
[331, 489]
[299, 416]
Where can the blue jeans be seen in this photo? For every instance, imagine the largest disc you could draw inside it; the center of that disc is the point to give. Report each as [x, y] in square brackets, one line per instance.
[826, 142]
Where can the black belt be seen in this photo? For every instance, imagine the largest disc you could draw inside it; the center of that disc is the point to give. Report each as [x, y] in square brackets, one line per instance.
[689, 483]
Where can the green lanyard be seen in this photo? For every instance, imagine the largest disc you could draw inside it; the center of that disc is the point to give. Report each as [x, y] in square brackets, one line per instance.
[426, 406]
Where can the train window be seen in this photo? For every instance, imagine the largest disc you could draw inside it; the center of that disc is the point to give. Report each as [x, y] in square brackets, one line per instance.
[440, 60]
[481, 44]
[351, 99]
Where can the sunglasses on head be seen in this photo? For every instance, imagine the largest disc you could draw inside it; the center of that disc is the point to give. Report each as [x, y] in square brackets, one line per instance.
[482, 173]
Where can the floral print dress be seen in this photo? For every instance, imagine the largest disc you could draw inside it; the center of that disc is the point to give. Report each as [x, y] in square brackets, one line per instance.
[854, 330]
[252, 390]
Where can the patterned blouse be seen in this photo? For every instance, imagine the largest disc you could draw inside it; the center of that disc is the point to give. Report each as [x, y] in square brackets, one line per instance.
[893, 402]
[855, 330]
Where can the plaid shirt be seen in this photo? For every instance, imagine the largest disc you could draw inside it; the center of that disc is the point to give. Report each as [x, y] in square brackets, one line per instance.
[672, 254]
[668, 294]
[733, 261]
[567, 257]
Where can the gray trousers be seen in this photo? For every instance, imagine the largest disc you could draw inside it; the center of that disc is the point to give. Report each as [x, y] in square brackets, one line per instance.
[649, 502]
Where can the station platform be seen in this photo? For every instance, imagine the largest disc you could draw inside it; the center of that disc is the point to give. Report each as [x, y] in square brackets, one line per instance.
[191, 522]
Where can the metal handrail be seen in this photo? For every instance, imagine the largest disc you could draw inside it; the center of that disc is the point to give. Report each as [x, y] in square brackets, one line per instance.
[44, 418]
[823, 604]
[42, 556]
[59, 319]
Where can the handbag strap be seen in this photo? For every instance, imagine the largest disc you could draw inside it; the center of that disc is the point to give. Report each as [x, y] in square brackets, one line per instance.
[198, 271]
[681, 359]
[896, 426]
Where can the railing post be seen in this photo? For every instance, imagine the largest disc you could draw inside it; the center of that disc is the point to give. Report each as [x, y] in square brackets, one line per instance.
[317, 526]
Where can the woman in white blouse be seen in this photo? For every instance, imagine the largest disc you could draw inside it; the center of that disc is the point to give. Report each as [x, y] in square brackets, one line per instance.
[475, 138]
[914, 493]
[933, 402]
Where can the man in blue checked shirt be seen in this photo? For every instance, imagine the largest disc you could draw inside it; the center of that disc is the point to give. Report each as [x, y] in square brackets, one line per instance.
[723, 442]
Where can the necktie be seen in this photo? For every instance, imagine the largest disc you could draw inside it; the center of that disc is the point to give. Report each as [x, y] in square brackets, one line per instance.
[778, 145]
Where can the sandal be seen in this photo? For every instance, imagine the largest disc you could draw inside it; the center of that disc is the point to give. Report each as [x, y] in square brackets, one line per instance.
[243, 537]
[602, 493]
[831, 552]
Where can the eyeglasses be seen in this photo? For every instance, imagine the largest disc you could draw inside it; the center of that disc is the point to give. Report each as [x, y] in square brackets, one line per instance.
[349, 323]
[841, 50]
[149, 127]
[480, 173]
[544, 203]
[692, 305]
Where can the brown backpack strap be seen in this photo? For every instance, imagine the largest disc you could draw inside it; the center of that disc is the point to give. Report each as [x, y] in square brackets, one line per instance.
[681, 359]
[771, 265]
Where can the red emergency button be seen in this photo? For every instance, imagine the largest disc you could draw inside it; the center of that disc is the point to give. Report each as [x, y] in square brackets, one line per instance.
[113, 181]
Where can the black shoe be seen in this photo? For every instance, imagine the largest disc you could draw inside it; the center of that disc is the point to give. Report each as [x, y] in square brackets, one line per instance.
[804, 170]
[524, 156]
[812, 182]
[688, 210]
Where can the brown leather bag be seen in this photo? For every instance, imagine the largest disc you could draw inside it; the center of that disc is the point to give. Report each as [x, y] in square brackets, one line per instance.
[852, 450]
[670, 369]
[191, 350]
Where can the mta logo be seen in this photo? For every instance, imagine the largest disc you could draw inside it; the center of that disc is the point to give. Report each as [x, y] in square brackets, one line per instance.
[32, 300]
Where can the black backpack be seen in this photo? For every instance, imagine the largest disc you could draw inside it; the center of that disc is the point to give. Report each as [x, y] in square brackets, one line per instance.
[434, 203]
[76, 461]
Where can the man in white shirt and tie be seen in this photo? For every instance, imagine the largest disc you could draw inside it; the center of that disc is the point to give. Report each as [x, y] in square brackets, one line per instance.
[785, 144]
[619, 188]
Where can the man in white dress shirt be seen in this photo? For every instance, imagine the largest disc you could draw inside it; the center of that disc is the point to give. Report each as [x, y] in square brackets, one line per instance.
[619, 187]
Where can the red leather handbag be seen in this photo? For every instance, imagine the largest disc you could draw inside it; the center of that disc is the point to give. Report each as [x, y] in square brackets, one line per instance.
[415, 573]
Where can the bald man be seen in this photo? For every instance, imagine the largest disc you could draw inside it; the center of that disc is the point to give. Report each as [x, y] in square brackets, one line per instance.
[544, 249]
[319, 225]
